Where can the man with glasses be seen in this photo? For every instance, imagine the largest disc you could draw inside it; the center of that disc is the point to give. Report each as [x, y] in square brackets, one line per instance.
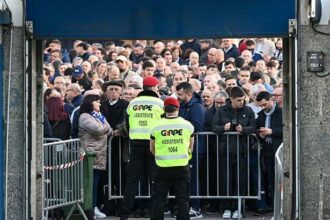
[270, 131]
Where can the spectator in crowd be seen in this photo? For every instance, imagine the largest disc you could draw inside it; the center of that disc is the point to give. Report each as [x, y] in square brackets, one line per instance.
[176, 54]
[250, 46]
[229, 70]
[205, 46]
[159, 47]
[100, 53]
[77, 61]
[191, 44]
[193, 59]
[128, 94]
[93, 133]
[220, 99]
[256, 78]
[73, 94]
[178, 78]
[196, 84]
[270, 131]
[60, 82]
[136, 55]
[82, 50]
[58, 118]
[101, 69]
[211, 54]
[247, 56]
[278, 96]
[260, 66]
[78, 76]
[272, 72]
[125, 73]
[167, 55]
[243, 76]
[148, 68]
[55, 45]
[160, 65]
[234, 116]
[113, 73]
[191, 109]
[230, 82]
[265, 46]
[279, 50]
[229, 48]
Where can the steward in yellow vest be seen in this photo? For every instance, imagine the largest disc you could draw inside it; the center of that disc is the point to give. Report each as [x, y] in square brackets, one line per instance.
[143, 112]
[171, 142]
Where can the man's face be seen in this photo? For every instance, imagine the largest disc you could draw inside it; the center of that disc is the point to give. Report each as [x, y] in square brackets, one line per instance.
[54, 46]
[207, 98]
[202, 70]
[244, 77]
[219, 101]
[175, 54]
[160, 64]
[86, 66]
[231, 83]
[178, 78]
[208, 79]
[211, 55]
[226, 43]
[260, 66]
[99, 54]
[122, 65]
[55, 56]
[114, 92]
[271, 71]
[80, 50]
[114, 73]
[211, 71]
[70, 93]
[213, 86]
[159, 47]
[229, 68]
[278, 96]
[266, 105]
[128, 94]
[183, 96]
[194, 58]
[247, 56]
[63, 68]
[168, 57]
[149, 71]
[59, 82]
[138, 51]
[237, 102]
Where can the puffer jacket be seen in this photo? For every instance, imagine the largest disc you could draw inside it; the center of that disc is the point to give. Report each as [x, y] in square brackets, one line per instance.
[93, 135]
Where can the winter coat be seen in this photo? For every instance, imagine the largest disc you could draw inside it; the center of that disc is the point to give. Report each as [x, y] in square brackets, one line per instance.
[244, 116]
[276, 125]
[93, 135]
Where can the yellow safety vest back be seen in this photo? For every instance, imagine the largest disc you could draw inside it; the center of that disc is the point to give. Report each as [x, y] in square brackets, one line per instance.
[172, 140]
[143, 112]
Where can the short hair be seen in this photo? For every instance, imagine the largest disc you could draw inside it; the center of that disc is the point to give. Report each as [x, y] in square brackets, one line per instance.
[56, 41]
[109, 43]
[170, 108]
[249, 42]
[221, 83]
[211, 66]
[245, 68]
[84, 45]
[229, 78]
[263, 95]
[254, 76]
[228, 62]
[185, 86]
[138, 45]
[103, 51]
[147, 64]
[97, 45]
[236, 92]
[221, 93]
[149, 51]
[271, 64]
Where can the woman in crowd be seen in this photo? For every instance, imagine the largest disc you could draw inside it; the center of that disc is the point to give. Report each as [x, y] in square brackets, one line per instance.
[93, 132]
[58, 118]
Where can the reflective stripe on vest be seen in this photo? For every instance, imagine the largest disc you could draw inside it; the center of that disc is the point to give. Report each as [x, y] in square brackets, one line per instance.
[171, 157]
[176, 126]
[146, 102]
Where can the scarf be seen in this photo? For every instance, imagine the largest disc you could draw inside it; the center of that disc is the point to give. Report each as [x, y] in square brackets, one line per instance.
[267, 123]
[98, 116]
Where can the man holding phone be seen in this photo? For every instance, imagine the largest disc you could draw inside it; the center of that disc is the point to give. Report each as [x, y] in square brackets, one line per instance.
[234, 116]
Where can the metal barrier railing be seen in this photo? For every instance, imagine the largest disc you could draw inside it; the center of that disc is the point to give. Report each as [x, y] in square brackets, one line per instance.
[63, 176]
[240, 153]
[278, 189]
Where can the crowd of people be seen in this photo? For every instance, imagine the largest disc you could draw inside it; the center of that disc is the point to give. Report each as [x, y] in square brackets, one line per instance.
[221, 84]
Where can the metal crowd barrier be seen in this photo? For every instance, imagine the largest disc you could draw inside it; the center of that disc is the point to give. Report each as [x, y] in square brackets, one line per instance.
[62, 176]
[115, 190]
[278, 189]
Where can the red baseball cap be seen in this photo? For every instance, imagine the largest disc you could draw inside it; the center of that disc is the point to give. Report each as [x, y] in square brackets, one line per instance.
[150, 81]
[171, 101]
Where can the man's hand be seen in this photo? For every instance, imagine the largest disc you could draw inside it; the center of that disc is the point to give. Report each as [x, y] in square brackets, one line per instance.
[239, 128]
[227, 126]
[265, 131]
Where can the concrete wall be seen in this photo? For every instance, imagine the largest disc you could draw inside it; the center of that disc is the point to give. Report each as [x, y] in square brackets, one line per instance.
[15, 204]
[315, 122]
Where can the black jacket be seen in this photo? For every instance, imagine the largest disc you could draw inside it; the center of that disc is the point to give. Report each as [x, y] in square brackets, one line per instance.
[244, 116]
[276, 125]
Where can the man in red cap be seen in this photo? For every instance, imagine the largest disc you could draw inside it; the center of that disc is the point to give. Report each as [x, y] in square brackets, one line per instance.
[171, 142]
[143, 113]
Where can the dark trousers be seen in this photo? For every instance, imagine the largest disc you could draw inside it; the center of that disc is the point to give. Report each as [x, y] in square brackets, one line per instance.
[195, 178]
[140, 157]
[96, 179]
[269, 162]
[176, 178]
[233, 187]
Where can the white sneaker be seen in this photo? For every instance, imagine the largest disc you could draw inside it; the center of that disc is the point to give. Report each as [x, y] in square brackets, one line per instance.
[194, 214]
[98, 214]
[226, 214]
[235, 215]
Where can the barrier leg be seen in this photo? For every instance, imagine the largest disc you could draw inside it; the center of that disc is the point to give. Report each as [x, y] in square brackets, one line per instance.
[239, 208]
[80, 210]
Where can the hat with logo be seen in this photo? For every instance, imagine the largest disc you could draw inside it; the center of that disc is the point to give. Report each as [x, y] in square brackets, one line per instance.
[150, 81]
[171, 101]
[77, 71]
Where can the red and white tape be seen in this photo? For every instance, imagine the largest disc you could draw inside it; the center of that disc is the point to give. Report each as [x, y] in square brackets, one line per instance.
[66, 165]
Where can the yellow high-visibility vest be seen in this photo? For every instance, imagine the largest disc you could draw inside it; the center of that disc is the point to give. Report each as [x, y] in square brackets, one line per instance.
[143, 112]
[172, 140]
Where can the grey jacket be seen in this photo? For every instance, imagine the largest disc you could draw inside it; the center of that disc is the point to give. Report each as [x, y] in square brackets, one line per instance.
[93, 135]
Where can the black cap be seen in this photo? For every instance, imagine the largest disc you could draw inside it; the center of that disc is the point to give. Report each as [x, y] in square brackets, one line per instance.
[120, 83]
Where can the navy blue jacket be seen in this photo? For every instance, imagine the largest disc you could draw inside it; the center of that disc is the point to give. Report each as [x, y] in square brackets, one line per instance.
[232, 52]
[194, 45]
[77, 100]
[194, 112]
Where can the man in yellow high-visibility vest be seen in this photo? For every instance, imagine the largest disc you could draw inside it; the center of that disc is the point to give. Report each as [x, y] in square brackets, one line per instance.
[143, 113]
[171, 142]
